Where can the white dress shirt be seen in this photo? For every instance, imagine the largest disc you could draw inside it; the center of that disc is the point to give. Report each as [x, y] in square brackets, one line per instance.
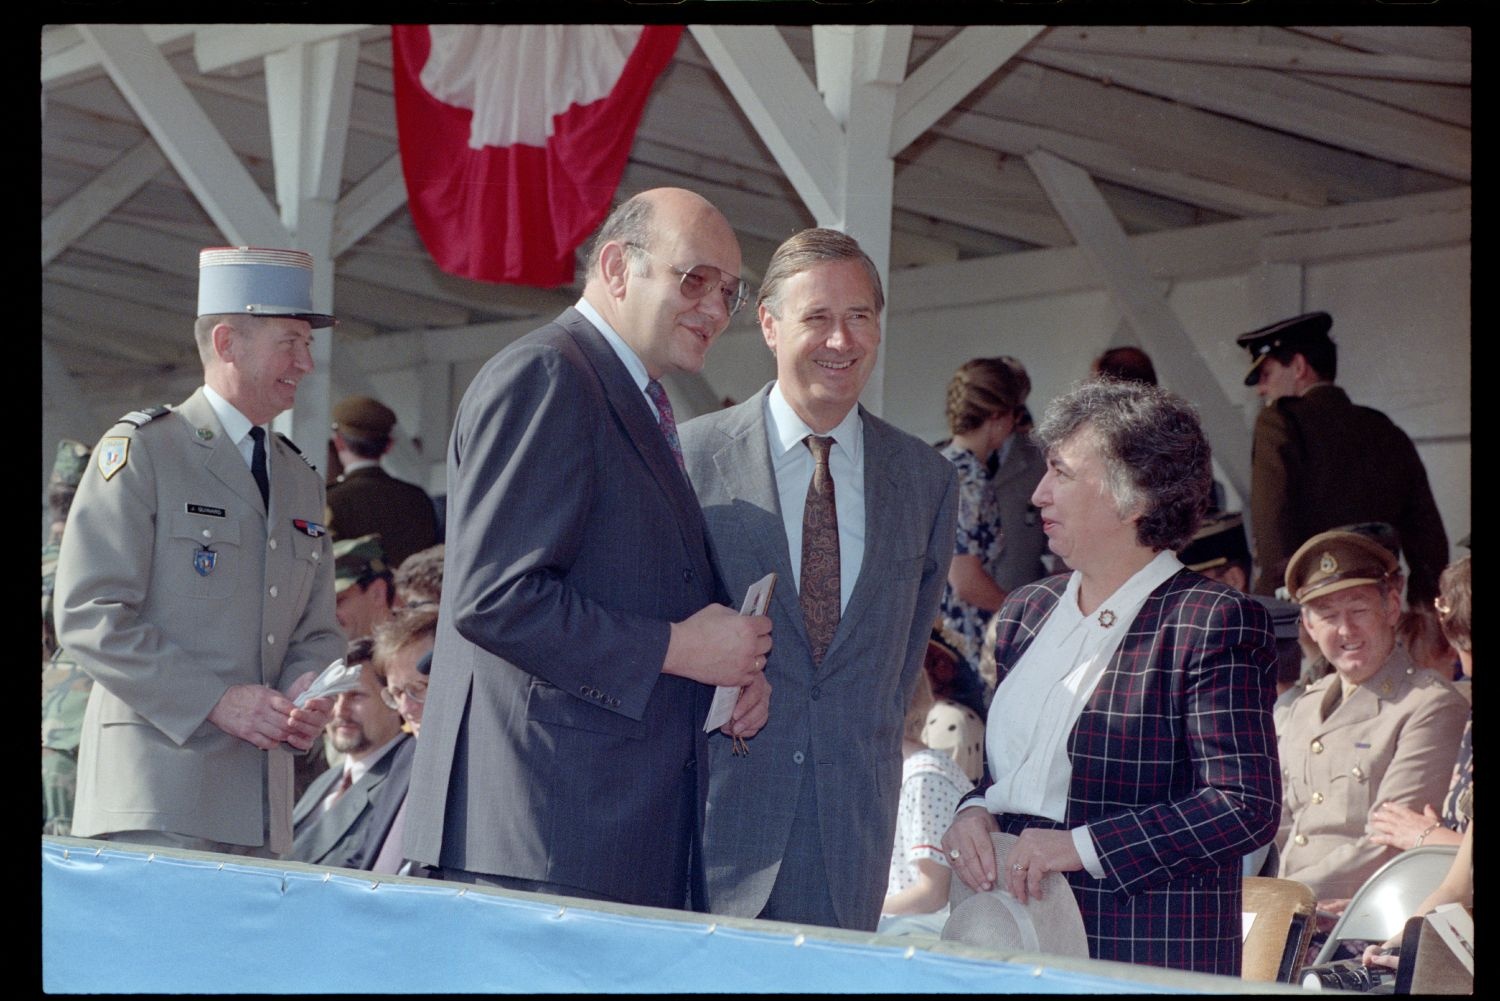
[1037, 705]
[237, 426]
[793, 464]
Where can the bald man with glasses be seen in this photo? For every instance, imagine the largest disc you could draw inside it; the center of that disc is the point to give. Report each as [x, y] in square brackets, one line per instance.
[582, 628]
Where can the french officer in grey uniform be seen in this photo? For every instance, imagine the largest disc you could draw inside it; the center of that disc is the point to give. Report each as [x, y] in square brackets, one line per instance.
[1379, 728]
[195, 583]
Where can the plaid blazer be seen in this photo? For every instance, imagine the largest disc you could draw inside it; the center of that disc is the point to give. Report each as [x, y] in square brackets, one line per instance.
[1174, 770]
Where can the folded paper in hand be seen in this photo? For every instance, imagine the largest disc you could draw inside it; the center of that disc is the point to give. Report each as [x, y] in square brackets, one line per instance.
[336, 677]
[757, 600]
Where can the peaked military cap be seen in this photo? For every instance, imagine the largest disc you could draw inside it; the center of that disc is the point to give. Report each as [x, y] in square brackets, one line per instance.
[1298, 331]
[1218, 541]
[358, 561]
[1334, 561]
[364, 417]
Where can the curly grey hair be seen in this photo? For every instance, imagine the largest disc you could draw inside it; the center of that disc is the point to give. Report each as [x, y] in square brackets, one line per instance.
[1156, 458]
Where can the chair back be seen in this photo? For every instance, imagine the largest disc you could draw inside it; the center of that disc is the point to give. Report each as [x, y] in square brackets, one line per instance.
[1380, 907]
[1283, 921]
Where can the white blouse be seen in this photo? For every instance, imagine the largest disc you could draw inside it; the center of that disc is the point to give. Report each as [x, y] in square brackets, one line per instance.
[1037, 705]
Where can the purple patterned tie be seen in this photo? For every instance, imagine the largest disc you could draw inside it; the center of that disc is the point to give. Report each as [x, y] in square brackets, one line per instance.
[820, 553]
[665, 420]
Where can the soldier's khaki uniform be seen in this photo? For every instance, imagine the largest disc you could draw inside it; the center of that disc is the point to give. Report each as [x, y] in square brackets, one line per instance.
[1394, 738]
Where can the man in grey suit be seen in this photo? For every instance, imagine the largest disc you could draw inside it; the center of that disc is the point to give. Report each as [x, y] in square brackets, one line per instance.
[579, 626]
[195, 583]
[860, 533]
[330, 820]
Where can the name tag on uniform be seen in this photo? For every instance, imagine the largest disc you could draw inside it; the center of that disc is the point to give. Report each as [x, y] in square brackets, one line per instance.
[212, 512]
[309, 528]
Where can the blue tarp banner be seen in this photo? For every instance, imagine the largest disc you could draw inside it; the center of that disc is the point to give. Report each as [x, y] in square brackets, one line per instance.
[122, 919]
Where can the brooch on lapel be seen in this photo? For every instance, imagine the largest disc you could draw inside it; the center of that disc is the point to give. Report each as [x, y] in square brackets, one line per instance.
[1106, 618]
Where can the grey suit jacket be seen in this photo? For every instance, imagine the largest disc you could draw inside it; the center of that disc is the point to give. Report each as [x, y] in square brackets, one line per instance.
[333, 837]
[553, 748]
[847, 713]
[164, 634]
[1025, 542]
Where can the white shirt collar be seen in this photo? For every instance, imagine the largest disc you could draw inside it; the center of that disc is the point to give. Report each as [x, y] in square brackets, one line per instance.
[787, 429]
[631, 360]
[236, 425]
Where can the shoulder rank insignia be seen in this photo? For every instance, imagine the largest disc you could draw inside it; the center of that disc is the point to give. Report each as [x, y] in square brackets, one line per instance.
[309, 528]
[293, 446]
[112, 454]
[138, 418]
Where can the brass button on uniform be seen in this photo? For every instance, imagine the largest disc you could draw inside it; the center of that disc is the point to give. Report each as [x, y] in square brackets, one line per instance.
[1301, 839]
[1317, 797]
[1317, 747]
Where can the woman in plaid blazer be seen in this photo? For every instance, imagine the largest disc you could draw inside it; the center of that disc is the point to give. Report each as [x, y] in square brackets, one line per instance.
[1130, 743]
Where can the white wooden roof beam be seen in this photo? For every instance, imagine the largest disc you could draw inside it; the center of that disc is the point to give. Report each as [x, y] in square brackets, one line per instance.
[68, 57]
[368, 204]
[1410, 222]
[309, 88]
[220, 47]
[775, 94]
[101, 196]
[950, 74]
[1115, 163]
[192, 144]
[1273, 100]
[1104, 244]
[1210, 51]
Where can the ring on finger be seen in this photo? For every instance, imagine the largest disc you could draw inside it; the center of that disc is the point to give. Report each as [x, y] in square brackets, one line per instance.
[1018, 867]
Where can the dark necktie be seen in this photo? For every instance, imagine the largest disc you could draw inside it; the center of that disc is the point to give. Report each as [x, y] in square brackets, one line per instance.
[820, 553]
[258, 465]
[665, 420]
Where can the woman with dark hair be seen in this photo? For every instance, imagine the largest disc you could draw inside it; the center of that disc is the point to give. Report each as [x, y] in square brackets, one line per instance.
[983, 398]
[1130, 742]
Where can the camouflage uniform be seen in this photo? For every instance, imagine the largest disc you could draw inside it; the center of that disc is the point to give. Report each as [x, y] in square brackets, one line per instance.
[65, 686]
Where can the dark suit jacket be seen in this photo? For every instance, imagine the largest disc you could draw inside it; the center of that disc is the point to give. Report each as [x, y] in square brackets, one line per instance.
[553, 748]
[1319, 462]
[1174, 770]
[332, 837]
[1014, 482]
[384, 804]
[372, 500]
[845, 714]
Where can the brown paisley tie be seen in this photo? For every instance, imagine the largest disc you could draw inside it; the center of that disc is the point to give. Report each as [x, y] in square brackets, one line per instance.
[820, 553]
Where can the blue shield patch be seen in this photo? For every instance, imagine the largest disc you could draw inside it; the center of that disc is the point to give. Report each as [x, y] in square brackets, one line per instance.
[204, 560]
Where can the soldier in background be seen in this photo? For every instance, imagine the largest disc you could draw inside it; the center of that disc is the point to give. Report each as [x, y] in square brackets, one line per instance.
[365, 499]
[65, 687]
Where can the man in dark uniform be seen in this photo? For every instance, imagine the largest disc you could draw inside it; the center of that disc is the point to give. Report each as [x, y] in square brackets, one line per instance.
[365, 498]
[1319, 461]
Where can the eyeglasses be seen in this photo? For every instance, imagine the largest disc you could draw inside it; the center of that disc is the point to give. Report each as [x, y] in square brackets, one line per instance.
[392, 696]
[700, 279]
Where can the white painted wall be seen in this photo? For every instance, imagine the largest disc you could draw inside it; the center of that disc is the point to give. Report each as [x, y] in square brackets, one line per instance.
[1401, 320]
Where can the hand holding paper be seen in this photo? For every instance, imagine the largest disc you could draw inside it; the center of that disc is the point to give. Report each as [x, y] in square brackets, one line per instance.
[336, 677]
[755, 704]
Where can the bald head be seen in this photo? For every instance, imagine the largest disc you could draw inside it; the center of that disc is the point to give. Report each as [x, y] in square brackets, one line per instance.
[635, 277]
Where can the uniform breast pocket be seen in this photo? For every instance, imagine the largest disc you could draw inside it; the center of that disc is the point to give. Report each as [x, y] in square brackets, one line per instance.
[205, 557]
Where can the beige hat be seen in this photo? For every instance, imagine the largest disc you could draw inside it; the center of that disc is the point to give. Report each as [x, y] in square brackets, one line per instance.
[996, 920]
[1333, 561]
